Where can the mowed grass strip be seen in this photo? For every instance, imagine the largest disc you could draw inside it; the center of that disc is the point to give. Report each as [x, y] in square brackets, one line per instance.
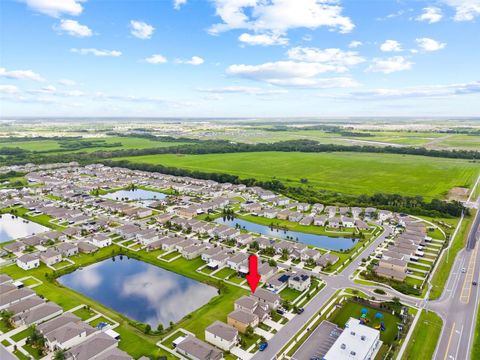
[348, 173]
[424, 337]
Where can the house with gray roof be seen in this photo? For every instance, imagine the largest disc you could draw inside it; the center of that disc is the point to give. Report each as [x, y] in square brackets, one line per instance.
[222, 335]
[38, 314]
[92, 348]
[267, 297]
[198, 350]
[28, 261]
[50, 256]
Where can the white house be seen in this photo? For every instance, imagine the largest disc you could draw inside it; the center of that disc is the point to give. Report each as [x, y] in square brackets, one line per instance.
[348, 222]
[101, 240]
[28, 261]
[300, 282]
[222, 335]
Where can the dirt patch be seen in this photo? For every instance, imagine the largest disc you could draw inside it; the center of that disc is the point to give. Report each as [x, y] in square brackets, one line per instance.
[458, 193]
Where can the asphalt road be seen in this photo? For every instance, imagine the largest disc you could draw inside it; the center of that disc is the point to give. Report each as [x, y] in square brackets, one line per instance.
[458, 304]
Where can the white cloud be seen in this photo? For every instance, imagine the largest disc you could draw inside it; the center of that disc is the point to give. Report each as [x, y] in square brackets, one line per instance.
[355, 44]
[74, 28]
[20, 74]
[391, 15]
[8, 89]
[97, 52]
[141, 29]
[67, 82]
[427, 44]
[432, 91]
[249, 90]
[390, 46]
[340, 60]
[291, 74]
[263, 39]
[56, 8]
[430, 14]
[177, 4]
[194, 60]
[279, 16]
[156, 59]
[390, 65]
[465, 10]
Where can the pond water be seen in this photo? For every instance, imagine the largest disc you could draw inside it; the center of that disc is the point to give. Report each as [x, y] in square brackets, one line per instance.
[137, 194]
[321, 241]
[17, 227]
[140, 291]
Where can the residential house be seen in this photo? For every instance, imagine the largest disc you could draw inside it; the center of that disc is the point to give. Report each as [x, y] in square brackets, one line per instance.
[295, 216]
[348, 222]
[252, 305]
[86, 247]
[50, 256]
[92, 348]
[101, 240]
[222, 335]
[241, 320]
[196, 349]
[28, 261]
[300, 282]
[218, 261]
[334, 222]
[267, 297]
[283, 214]
[67, 249]
[320, 220]
[44, 312]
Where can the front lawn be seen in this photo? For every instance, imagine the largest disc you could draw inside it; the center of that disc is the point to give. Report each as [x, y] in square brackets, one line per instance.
[289, 294]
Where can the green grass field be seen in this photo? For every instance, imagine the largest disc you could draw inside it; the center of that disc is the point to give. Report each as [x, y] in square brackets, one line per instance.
[349, 173]
[425, 337]
[52, 145]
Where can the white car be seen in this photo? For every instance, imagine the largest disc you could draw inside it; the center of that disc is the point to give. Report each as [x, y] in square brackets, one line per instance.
[463, 270]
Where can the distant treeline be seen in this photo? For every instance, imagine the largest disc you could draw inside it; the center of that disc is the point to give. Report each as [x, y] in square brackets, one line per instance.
[409, 204]
[343, 131]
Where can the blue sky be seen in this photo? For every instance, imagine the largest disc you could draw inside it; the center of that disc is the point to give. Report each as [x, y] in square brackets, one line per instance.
[239, 58]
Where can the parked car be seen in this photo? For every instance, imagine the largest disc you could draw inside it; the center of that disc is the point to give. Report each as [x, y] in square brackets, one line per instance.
[262, 346]
[280, 312]
[300, 310]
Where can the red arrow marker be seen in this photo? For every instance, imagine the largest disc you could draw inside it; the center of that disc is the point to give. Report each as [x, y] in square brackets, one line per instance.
[253, 277]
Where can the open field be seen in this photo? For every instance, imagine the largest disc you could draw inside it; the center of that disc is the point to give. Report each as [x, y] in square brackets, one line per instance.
[425, 337]
[433, 140]
[52, 145]
[349, 173]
